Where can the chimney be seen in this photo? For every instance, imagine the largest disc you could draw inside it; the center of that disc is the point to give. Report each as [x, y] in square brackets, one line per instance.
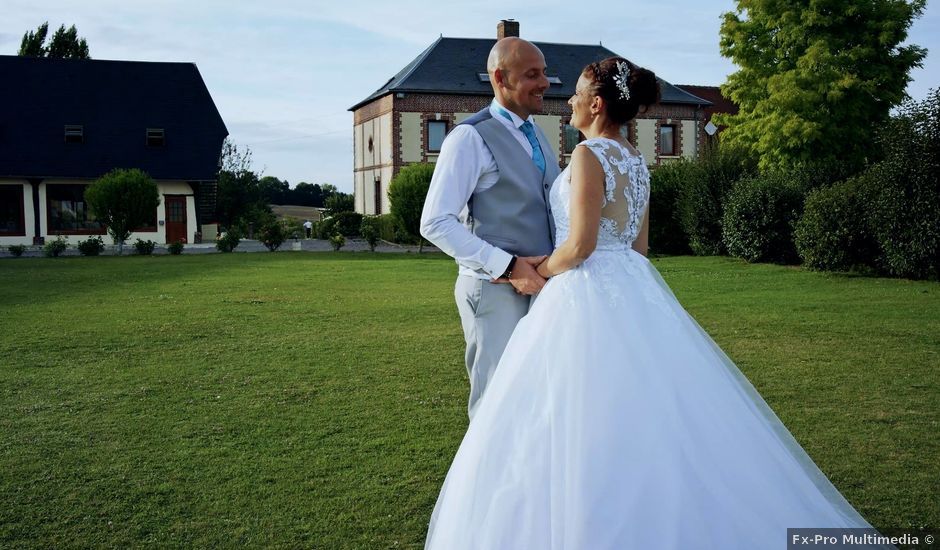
[507, 27]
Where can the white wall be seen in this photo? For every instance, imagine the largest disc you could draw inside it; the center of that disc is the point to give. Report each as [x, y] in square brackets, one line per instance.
[689, 140]
[368, 165]
[410, 138]
[460, 117]
[551, 126]
[646, 139]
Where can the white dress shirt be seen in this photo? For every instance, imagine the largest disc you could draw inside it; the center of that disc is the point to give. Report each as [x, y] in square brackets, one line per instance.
[466, 166]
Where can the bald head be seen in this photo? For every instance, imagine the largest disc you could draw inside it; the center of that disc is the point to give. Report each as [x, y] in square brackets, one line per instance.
[508, 51]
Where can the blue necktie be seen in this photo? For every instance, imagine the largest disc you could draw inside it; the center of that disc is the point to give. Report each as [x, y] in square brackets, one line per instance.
[537, 157]
[529, 132]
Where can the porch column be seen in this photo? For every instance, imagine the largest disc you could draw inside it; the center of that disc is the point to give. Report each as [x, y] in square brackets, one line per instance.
[38, 239]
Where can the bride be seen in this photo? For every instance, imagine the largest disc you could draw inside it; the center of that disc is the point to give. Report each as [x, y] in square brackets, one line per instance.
[613, 421]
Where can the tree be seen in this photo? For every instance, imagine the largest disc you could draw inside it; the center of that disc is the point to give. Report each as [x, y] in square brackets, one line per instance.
[239, 201]
[407, 193]
[815, 78]
[123, 200]
[275, 191]
[65, 43]
[32, 43]
[339, 202]
[306, 194]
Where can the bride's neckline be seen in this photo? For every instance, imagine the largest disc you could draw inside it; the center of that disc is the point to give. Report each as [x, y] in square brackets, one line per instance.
[630, 151]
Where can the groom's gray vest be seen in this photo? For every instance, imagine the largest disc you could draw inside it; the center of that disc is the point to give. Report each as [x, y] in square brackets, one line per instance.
[514, 214]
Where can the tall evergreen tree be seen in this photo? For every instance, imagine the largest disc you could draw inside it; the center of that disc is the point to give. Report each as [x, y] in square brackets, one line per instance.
[32, 43]
[65, 43]
[816, 78]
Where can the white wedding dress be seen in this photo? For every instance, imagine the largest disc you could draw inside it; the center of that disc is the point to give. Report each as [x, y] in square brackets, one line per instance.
[614, 422]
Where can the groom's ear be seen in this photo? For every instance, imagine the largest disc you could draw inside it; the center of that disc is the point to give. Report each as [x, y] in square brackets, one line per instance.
[499, 77]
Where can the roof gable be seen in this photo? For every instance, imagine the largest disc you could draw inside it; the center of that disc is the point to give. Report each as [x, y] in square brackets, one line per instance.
[115, 102]
[453, 65]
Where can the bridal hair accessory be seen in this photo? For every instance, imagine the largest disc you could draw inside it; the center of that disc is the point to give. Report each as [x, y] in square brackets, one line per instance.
[623, 74]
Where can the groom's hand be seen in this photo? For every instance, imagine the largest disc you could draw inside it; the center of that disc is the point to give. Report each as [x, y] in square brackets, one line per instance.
[525, 279]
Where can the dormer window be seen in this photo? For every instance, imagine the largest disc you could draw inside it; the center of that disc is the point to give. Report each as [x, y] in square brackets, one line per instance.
[74, 133]
[156, 137]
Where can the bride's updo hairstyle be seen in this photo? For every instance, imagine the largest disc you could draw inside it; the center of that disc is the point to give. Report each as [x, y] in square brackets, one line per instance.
[607, 82]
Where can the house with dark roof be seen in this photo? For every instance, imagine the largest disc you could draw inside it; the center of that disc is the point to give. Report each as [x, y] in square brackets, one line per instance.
[66, 122]
[719, 103]
[406, 119]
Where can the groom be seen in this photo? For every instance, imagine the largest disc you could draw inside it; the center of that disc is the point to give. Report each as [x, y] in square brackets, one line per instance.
[488, 207]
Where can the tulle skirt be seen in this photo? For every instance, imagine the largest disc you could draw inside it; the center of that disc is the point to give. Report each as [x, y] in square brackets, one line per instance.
[614, 422]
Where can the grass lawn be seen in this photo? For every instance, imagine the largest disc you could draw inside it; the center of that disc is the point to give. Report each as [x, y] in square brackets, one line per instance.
[297, 400]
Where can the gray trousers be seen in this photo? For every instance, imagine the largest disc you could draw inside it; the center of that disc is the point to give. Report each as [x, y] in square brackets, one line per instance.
[489, 313]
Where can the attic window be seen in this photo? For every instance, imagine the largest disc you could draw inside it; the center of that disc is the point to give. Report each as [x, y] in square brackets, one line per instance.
[156, 137]
[74, 133]
[485, 77]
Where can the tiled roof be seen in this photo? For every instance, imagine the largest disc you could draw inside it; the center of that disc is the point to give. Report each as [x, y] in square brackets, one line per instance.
[114, 102]
[719, 103]
[454, 65]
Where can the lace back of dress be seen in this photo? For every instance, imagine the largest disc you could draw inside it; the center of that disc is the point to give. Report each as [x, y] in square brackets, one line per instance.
[627, 193]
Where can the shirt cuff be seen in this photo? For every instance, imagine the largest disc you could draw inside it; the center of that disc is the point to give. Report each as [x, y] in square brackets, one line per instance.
[497, 263]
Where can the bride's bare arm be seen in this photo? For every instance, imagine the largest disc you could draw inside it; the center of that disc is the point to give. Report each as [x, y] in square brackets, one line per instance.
[587, 199]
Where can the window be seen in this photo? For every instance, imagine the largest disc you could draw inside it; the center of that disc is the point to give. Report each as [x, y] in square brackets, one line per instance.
[156, 137]
[74, 133]
[437, 129]
[12, 222]
[68, 213]
[667, 140]
[150, 226]
[572, 138]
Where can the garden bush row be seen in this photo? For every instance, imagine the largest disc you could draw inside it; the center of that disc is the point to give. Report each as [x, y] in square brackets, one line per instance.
[92, 246]
[882, 218]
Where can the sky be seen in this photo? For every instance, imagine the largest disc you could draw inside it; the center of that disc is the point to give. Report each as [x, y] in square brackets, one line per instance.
[283, 73]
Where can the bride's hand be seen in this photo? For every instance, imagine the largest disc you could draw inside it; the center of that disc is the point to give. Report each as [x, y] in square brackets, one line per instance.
[525, 278]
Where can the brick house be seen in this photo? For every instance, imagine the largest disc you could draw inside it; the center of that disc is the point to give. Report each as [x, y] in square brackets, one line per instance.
[406, 119]
[66, 122]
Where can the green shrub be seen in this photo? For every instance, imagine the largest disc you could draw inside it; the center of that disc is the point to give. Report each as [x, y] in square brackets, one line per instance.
[344, 223]
[833, 232]
[16, 250]
[666, 235]
[144, 248]
[92, 246]
[407, 193]
[338, 241]
[229, 241]
[701, 199]
[905, 214]
[175, 248]
[391, 230]
[272, 235]
[369, 229]
[293, 228]
[759, 216]
[53, 248]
